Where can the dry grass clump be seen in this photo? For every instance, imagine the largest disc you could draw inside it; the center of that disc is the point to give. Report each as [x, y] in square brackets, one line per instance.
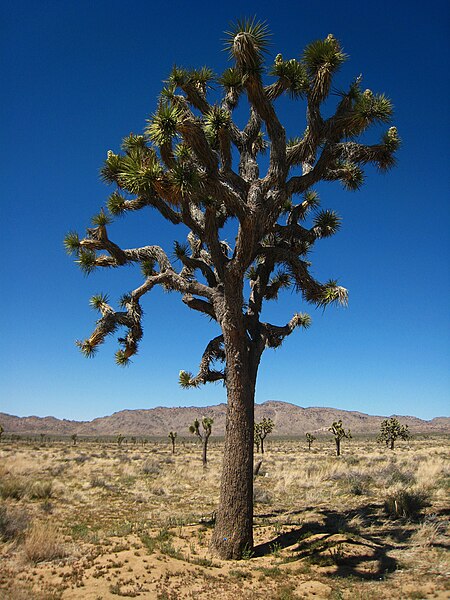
[44, 542]
[407, 503]
[14, 487]
[41, 490]
[151, 467]
[430, 532]
[13, 523]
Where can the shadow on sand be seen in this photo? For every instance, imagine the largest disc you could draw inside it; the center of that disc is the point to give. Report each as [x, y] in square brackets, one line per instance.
[349, 550]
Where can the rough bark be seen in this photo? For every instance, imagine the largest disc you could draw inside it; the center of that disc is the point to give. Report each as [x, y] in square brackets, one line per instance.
[233, 532]
[205, 449]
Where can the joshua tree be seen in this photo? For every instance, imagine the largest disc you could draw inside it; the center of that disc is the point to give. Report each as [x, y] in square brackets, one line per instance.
[310, 438]
[198, 169]
[262, 429]
[391, 430]
[339, 433]
[120, 439]
[74, 438]
[1, 432]
[172, 436]
[257, 441]
[207, 424]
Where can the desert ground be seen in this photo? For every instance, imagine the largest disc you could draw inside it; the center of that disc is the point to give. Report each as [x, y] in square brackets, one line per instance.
[97, 520]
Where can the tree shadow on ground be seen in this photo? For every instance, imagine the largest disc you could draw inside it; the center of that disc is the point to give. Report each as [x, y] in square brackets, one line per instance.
[350, 551]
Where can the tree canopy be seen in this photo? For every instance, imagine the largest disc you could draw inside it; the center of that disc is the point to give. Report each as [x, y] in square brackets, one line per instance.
[196, 167]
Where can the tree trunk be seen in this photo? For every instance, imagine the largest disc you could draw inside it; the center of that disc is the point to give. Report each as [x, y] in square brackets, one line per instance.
[392, 444]
[262, 445]
[233, 532]
[173, 446]
[338, 447]
[205, 450]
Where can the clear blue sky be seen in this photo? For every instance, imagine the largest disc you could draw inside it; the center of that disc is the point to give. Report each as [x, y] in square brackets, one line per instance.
[79, 76]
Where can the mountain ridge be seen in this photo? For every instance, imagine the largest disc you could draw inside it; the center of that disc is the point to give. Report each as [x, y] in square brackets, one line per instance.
[290, 420]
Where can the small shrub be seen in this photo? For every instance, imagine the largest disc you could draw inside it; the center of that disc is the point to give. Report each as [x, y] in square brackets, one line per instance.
[395, 475]
[13, 487]
[151, 467]
[405, 503]
[13, 523]
[97, 481]
[41, 490]
[43, 543]
[81, 458]
[261, 496]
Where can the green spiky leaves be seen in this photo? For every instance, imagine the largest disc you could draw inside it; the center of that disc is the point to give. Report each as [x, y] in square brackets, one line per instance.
[101, 220]
[180, 250]
[163, 125]
[87, 261]
[148, 267]
[184, 179]
[247, 41]
[279, 281]
[137, 174]
[216, 121]
[111, 168]
[322, 59]
[133, 142]
[121, 358]
[332, 294]
[86, 348]
[186, 380]
[326, 223]
[180, 77]
[124, 300]
[116, 204]
[368, 108]
[294, 73]
[351, 176]
[231, 79]
[301, 320]
[202, 77]
[323, 54]
[72, 243]
[99, 301]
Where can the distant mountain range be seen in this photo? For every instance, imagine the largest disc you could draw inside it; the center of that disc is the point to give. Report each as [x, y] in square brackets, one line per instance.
[289, 419]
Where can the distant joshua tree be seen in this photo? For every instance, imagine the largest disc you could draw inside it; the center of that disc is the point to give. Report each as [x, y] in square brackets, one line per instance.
[256, 437]
[74, 438]
[262, 429]
[207, 423]
[339, 433]
[1, 432]
[310, 438]
[390, 430]
[172, 436]
[120, 439]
